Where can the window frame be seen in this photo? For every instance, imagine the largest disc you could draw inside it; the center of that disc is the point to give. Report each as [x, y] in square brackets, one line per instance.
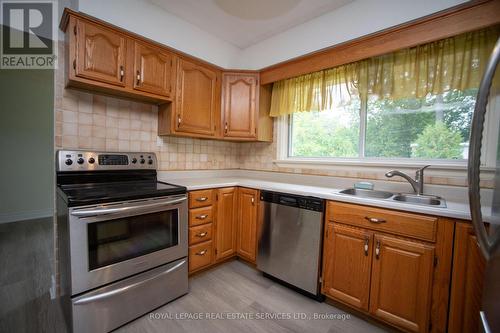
[283, 158]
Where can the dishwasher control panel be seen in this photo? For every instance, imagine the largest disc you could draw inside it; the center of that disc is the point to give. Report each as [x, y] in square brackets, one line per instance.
[292, 200]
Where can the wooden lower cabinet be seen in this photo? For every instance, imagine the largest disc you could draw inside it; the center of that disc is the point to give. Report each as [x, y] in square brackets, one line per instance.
[246, 241]
[226, 223]
[399, 274]
[467, 281]
[347, 264]
[401, 282]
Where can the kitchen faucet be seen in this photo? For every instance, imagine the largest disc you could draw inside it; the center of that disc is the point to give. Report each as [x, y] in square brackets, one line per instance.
[417, 183]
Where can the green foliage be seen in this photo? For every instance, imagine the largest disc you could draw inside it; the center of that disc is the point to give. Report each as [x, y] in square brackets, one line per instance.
[438, 123]
[325, 134]
[438, 141]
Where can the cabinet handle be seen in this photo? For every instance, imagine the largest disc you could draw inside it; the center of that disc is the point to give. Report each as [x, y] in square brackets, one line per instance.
[122, 73]
[367, 241]
[138, 77]
[178, 121]
[225, 127]
[374, 220]
[201, 217]
[201, 235]
[201, 253]
[201, 199]
[377, 250]
[253, 201]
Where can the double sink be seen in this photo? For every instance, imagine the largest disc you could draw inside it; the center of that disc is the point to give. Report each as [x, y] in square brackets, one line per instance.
[425, 200]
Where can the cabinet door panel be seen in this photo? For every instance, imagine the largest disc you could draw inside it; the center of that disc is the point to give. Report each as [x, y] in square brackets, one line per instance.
[240, 100]
[401, 282]
[153, 70]
[347, 264]
[247, 223]
[467, 281]
[100, 54]
[196, 99]
[226, 222]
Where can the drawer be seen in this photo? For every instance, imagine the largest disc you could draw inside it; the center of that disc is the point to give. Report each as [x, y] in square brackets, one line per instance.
[395, 222]
[201, 198]
[200, 255]
[199, 216]
[200, 233]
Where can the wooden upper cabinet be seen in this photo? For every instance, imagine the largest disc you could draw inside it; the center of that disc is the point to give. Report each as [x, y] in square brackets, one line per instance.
[247, 223]
[347, 259]
[153, 69]
[239, 105]
[401, 282]
[100, 53]
[197, 99]
[226, 222]
[467, 281]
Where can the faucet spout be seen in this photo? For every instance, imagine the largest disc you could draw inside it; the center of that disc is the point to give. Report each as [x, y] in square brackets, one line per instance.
[413, 183]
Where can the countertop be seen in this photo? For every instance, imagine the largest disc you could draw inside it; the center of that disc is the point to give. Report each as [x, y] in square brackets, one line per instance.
[453, 209]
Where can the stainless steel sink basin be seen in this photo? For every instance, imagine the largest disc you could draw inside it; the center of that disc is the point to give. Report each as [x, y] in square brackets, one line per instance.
[409, 198]
[367, 193]
[420, 199]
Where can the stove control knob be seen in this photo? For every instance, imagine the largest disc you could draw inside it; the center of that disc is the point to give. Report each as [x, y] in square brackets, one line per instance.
[143, 161]
[91, 160]
[150, 162]
[80, 161]
[69, 161]
[134, 160]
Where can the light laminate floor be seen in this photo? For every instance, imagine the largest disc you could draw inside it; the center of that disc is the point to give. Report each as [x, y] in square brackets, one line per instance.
[235, 289]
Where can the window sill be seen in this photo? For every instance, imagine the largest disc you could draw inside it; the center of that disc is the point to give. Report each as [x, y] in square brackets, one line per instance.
[450, 169]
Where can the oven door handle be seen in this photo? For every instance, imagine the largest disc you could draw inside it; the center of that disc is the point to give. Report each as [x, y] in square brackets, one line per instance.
[121, 290]
[105, 211]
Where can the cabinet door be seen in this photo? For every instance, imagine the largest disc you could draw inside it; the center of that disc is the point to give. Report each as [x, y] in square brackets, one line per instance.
[226, 223]
[247, 223]
[467, 281]
[401, 282]
[239, 98]
[153, 70]
[197, 100]
[346, 264]
[100, 54]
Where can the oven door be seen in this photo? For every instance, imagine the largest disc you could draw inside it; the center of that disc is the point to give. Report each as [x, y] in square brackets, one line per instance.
[112, 241]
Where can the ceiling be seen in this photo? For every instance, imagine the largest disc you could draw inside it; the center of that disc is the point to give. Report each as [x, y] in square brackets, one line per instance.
[244, 23]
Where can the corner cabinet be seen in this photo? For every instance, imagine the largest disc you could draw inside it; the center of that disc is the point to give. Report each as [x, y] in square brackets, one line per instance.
[393, 266]
[239, 105]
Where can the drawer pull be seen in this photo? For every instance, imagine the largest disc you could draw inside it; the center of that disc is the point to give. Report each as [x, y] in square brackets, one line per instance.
[201, 253]
[377, 250]
[203, 234]
[201, 199]
[367, 241]
[201, 217]
[374, 220]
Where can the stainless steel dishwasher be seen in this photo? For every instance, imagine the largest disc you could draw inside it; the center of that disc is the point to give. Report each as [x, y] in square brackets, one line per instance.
[289, 245]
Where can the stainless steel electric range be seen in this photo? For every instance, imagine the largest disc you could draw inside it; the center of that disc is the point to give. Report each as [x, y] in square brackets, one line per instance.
[121, 238]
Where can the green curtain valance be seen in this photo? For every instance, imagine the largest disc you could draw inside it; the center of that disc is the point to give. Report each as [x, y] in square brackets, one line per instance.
[453, 63]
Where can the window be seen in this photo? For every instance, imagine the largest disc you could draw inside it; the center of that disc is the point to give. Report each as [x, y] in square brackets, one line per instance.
[432, 128]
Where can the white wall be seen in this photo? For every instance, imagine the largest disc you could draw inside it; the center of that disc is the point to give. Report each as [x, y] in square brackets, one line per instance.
[151, 21]
[353, 20]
